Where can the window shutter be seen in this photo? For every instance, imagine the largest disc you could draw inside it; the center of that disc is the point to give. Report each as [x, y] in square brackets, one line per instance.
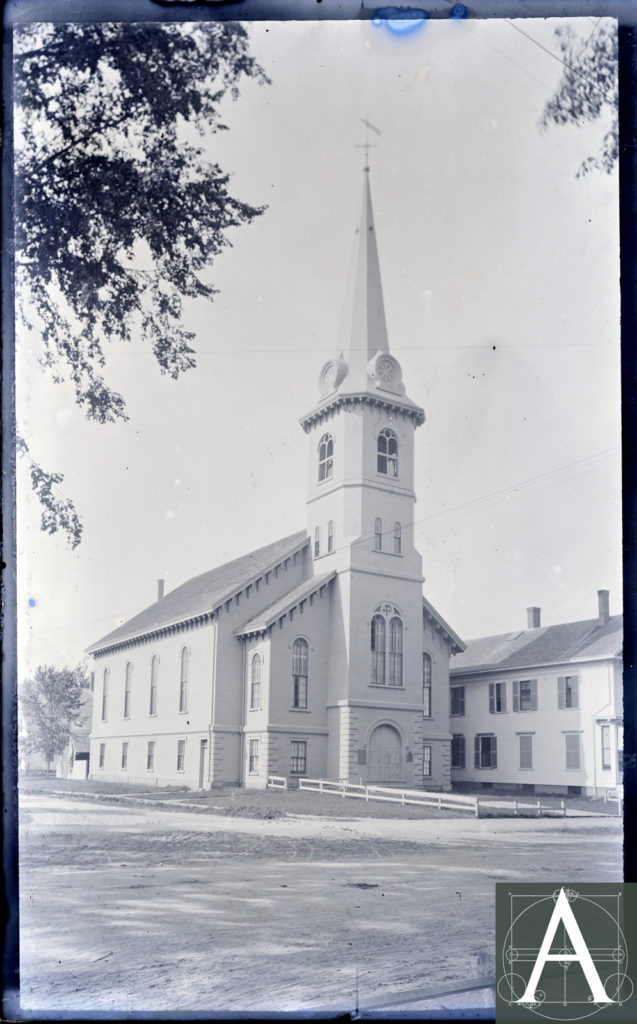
[503, 696]
[477, 752]
[533, 694]
[492, 698]
[516, 695]
[561, 691]
[575, 691]
[494, 751]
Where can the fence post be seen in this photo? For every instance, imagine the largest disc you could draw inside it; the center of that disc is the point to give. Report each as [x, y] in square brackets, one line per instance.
[439, 803]
[539, 808]
[563, 806]
[321, 787]
[477, 807]
[367, 794]
[402, 798]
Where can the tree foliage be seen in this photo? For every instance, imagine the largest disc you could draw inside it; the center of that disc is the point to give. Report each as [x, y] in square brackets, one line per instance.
[119, 210]
[588, 90]
[51, 703]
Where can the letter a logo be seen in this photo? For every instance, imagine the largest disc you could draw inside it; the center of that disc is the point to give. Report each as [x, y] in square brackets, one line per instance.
[563, 914]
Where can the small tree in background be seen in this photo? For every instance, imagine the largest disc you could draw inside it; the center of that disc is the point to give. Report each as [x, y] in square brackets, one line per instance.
[588, 90]
[51, 703]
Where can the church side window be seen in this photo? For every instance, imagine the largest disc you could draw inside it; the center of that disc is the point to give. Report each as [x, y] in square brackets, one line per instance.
[397, 538]
[299, 673]
[154, 666]
[128, 686]
[183, 681]
[298, 764]
[317, 541]
[378, 534]
[395, 652]
[426, 684]
[150, 756]
[378, 650]
[326, 456]
[253, 757]
[330, 535]
[105, 688]
[387, 453]
[255, 683]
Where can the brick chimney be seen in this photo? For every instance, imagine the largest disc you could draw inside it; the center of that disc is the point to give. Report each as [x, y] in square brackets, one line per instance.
[603, 599]
[160, 589]
[533, 618]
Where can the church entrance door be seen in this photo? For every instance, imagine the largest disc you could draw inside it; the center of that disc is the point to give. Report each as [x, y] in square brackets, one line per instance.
[385, 755]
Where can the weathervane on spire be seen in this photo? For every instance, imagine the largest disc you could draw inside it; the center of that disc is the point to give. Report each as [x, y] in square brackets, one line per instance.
[367, 145]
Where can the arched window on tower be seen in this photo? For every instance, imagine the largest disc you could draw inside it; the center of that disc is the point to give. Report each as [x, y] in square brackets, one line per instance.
[397, 538]
[299, 673]
[326, 456]
[128, 686]
[317, 541]
[387, 453]
[378, 650]
[378, 534]
[154, 668]
[395, 652]
[255, 682]
[330, 535]
[183, 680]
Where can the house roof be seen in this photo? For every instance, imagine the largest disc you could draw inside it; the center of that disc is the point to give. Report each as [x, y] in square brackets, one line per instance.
[456, 643]
[546, 645]
[203, 593]
[268, 616]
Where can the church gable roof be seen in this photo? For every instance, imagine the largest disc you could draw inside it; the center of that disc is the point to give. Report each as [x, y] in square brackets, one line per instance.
[455, 643]
[261, 622]
[203, 593]
[546, 645]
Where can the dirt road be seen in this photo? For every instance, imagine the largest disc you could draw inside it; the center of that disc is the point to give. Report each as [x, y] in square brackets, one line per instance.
[133, 909]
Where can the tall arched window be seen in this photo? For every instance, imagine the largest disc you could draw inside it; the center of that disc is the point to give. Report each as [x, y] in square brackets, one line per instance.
[395, 652]
[255, 683]
[299, 673]
[397, 538]
[317, 541]
[387, 453]
[330, 535]
[154, 668]
[128, 686]
[183, 680]
[426, 684]
[378, 650]
[105, 688]
[326, 456]
[378, 534]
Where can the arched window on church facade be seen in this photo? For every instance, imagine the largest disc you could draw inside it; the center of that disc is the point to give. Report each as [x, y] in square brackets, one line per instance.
[128, 687]
[183, 680]
[387, 453]
[326, 456]
[378, 650]
[395, 652]
[105, 688]
[255, 682]
[299, 673]
[426, 684]
[154, 670]
[386, 643]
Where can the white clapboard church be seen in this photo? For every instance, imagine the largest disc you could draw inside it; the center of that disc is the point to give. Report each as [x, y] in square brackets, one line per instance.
[317, 655]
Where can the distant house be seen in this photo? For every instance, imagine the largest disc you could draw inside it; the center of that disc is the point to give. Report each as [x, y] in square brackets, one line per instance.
[73, 763]
[540, 710]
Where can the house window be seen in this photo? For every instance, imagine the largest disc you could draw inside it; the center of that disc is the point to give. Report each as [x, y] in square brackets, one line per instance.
[128, 683]
[378, 650]
[486, 751]
[457, 751]
[397, 538]
[395, 652]
[620, 748]
[253, 761]
[497, 698]
[326, 456]
[426, 684]
[330, 536]
[426, 760]
[457, 700]
[567, 692]
[181, 755]
[317, 542]
[105, 686]
[150, 756]
[255, 682]
[299, 757]
[525, 695]
[102, 755]
[606, 765]
[526, 750]
[124, 756]
[183, 680]
[378, 534]
[154, 666]
[299, 673]
[387, 453]
[572, 746]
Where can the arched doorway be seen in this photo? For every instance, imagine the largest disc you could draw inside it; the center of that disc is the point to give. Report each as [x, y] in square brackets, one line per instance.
[385, 755]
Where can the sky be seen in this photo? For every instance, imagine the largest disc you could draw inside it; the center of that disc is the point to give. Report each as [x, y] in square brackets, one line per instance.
[500, 275]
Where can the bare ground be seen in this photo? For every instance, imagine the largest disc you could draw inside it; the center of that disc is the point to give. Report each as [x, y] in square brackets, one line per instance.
[129, 908]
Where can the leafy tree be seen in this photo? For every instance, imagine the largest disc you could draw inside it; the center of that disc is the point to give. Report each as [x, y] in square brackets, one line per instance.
[119, 211]
[51, 703]
[588, 90]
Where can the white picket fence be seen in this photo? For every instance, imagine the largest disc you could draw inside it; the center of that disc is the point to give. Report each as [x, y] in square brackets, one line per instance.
[277, 782]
